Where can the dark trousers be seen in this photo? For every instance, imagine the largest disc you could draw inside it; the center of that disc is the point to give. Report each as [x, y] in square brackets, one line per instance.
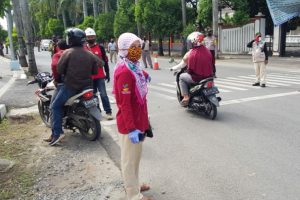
[214, 60]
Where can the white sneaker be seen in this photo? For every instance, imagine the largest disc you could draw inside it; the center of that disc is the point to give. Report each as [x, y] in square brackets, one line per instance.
[109, 116]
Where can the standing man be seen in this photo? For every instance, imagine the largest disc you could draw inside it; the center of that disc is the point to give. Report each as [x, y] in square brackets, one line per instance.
[77, 66]
[53, 45]
[38, 44]
[112, 49]
[260, 59]
[99, 79]
[146, 52]
[210, 43]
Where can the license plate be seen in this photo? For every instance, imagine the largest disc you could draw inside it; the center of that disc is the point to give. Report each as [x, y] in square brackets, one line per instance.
[210, 91]
[90, 103]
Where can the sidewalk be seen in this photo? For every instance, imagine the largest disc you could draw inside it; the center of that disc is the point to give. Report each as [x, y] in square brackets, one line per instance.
[7, 78]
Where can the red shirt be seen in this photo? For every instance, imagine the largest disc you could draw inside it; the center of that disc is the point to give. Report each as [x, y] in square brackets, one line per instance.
[131, 115]
[55, 59]
[97, 51]
[200, 63]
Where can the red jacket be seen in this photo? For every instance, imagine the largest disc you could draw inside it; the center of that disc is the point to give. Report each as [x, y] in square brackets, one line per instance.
[97, 51]
[131, 115]
[55, 59]
[200, 63]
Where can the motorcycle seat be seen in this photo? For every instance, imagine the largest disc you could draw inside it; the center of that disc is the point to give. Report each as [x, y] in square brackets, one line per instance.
[206, 80]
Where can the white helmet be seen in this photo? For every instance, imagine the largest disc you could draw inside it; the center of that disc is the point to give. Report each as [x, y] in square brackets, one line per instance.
[196, 38]
[89, 32]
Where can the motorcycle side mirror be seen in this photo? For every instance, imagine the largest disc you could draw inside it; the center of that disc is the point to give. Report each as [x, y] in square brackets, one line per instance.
[31, 82]
[172, 60]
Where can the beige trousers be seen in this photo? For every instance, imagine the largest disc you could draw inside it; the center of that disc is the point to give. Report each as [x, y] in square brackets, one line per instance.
[260, 72]
[113, 56]
[130, 162]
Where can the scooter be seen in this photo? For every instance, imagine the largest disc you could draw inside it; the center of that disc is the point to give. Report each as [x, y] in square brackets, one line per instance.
[81, 111]
[203, 97]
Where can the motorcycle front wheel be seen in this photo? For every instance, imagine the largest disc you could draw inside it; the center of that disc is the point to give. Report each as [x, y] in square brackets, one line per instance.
[44, 112]
[211, 110]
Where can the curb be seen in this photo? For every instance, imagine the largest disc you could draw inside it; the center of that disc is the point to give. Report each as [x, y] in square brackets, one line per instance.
[3, 111]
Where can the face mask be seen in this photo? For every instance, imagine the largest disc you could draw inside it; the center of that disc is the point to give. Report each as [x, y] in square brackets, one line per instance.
[258, 38]
[134, 53]
[91, 41]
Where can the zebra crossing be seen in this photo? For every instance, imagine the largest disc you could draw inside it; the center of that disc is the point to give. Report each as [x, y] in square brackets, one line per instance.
[167, 90]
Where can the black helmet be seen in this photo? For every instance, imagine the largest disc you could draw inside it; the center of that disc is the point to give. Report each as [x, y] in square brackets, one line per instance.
[75, 37]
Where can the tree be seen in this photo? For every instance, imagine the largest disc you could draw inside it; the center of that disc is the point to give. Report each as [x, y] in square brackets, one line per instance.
[55, 27]
[161, 17]
[19, 29]
[95, 9]
[103, 26]
[205, 13]
[3, 34]
[24, 5]
[124, 18]
[87, 22]
[85, 10]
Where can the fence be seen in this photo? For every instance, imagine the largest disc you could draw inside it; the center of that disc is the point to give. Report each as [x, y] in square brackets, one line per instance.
[234, 40]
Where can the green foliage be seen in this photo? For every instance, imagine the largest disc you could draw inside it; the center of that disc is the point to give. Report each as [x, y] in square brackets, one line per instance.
[188, 29]
[124, 18]
[161, 17]
[87, 22]
[15, 39]
[3, 5]
[103, 26]
[205, 13]
[54, 27]
[3, 34]
[240, 18]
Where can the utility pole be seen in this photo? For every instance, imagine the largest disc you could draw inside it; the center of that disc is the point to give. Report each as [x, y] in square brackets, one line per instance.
[215, 9]
[183, 9]
[9, 30]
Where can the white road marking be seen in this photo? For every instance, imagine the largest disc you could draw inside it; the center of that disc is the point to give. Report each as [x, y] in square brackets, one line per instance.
[167, 85]
[163, 95]
[6, 86]
[242, 100]
[108, 123]
[228, 82]
[283, 80]
[273, 83]
[162, 89]
[230, 87]
[241, 80]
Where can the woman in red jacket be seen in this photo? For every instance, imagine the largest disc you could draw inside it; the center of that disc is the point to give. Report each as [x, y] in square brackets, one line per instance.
[130, 89]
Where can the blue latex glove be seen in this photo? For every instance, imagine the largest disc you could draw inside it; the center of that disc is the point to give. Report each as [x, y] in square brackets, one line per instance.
[134, 136]
[149, 79]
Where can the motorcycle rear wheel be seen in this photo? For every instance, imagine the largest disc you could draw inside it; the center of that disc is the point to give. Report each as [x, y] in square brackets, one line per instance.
[45, 114]
[179, 97]
[211, 110]
[92, 127]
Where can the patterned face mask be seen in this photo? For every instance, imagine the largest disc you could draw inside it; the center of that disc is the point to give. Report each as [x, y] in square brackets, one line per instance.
[134, 53]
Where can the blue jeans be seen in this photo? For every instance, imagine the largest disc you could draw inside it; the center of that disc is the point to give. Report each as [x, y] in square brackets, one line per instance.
[99, 84]
[57, 108]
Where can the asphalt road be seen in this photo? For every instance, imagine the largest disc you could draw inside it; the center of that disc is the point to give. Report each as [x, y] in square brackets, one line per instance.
[250, 151]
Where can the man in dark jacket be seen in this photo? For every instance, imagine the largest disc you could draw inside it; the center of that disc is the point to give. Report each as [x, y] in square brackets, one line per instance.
[260, 59]
[77, 67]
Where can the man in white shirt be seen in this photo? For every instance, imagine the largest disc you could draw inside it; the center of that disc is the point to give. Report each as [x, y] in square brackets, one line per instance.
[210, 43]
[112, 49]
[146, 53]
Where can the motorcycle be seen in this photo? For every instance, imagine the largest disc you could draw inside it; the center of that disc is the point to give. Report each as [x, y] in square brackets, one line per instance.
[81, 111]
[203, 97]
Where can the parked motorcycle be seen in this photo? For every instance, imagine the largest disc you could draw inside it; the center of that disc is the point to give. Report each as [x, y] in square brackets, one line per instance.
[81, 111]
[203, 97]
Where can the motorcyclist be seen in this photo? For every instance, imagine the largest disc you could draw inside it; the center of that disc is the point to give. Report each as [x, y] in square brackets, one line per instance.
[77, 67]
[199, 62]
[99, 79]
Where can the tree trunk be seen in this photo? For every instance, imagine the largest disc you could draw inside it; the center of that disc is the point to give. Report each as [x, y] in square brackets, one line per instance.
[105, 6]
[183, 8]
[9, 30]
[19, 28]
[160, 47]
[215, 7]
[85, 11]
[63, 13]
[138, 23]
[95, 8]
[28, 36]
